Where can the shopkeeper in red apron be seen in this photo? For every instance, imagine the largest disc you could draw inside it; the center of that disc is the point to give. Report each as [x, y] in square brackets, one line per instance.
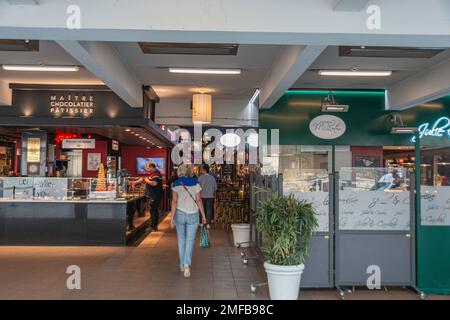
[153, 191]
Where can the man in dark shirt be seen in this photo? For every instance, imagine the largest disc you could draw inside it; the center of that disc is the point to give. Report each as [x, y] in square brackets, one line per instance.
[153, 192]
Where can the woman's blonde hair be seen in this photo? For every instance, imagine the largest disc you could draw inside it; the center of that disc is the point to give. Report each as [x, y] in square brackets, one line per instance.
[185, 170]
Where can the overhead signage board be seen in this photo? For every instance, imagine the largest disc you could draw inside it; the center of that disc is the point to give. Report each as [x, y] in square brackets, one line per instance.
[115, 145]
[78, 144]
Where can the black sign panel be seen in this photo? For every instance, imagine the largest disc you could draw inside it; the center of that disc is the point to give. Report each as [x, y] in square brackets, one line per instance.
[98, 104]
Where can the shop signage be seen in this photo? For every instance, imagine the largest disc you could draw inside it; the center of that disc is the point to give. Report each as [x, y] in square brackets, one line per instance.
[78, 144]
[327, 127]
[115, 145]
[72, 105]
[440, 128]
[34, 150]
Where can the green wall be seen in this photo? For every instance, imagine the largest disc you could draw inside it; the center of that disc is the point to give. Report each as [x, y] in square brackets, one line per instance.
[368, 125]
[367, 121]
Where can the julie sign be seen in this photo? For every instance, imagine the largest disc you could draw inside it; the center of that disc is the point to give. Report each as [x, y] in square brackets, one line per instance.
[440, 128]
[327, 127]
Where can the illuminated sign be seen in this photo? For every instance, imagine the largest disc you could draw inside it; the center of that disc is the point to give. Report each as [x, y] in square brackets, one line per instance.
[440, 128]
[72, 105]
[33, 150]
[115, 145]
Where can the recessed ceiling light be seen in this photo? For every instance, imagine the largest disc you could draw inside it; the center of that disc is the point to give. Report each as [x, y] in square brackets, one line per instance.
[204, 71]
[17, 67]
[355, 73]
[127, 130]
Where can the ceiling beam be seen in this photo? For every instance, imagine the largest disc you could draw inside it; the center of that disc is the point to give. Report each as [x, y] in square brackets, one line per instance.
[349, 5]
[290, 63]
[427, 85]
[5, 94]
[103, 62]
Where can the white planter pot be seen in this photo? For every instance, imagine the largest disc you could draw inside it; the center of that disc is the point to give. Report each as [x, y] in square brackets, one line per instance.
[284, 281]
[241, 234]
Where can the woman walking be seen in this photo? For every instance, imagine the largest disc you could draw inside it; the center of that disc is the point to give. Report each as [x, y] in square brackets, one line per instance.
[186, 204]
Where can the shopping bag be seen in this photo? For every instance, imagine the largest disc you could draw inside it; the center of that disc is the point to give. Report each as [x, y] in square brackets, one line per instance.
[204, 241]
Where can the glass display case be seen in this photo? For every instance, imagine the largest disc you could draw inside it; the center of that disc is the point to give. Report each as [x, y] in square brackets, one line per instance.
[60, 189]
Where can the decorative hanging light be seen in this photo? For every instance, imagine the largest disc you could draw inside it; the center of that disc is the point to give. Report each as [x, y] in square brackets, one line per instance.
[201, 108]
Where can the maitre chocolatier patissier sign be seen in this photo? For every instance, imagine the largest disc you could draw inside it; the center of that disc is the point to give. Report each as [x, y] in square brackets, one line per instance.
[71, 104]
[61, 102]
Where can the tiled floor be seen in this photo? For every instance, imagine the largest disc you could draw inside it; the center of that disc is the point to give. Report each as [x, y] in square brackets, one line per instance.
[149, 271]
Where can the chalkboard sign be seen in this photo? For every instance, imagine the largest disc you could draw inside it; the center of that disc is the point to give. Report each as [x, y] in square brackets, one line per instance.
[435, 206]
[23, 188]
[50, 188]
[374, 210]
[320, 202]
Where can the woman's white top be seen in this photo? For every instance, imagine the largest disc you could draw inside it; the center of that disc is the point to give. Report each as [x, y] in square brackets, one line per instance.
[185, 202]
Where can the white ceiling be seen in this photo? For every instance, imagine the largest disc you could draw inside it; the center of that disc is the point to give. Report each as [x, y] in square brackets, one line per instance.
[254, 60]
[49, 53]
[330, 59]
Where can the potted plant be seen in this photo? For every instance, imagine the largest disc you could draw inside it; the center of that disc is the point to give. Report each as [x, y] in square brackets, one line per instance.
[286, 225]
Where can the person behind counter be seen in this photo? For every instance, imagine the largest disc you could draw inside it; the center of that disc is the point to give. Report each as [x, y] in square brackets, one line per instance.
[186, 204]
[153, 192]
[208, 193]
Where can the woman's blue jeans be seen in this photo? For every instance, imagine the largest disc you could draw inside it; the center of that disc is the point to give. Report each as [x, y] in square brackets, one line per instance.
[187, 224]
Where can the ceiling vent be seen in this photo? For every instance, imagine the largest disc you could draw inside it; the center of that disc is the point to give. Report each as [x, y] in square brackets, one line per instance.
[189, 48]
[389, 52]
[19, 45]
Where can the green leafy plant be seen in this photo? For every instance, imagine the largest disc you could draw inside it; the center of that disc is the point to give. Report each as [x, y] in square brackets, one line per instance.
[287, 225]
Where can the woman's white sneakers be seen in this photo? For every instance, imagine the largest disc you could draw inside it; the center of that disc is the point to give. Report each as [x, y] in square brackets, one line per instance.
[181, 268]
[187, 271]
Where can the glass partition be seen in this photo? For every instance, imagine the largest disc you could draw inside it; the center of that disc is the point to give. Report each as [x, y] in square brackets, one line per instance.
[435, 187]
[59, 189]
[305, 175]
[374, 199]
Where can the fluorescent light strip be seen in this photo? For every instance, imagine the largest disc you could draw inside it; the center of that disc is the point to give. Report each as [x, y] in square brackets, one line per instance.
[403, 130]
[254, 97]
[13, 67]
[356, 73]
[204, 71]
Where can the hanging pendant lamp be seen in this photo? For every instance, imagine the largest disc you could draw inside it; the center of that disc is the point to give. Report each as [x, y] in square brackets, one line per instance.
[201, 108]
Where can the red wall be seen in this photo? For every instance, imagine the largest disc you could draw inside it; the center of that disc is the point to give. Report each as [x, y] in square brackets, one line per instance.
[130, 153]
[100, 147]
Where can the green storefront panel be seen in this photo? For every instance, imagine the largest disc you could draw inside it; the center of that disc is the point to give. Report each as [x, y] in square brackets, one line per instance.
[368, 124]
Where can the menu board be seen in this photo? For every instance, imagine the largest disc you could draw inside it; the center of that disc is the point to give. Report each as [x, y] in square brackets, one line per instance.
[374, 210]
[435, 206]
[320, 202]
[50, 188]
[23, 188]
